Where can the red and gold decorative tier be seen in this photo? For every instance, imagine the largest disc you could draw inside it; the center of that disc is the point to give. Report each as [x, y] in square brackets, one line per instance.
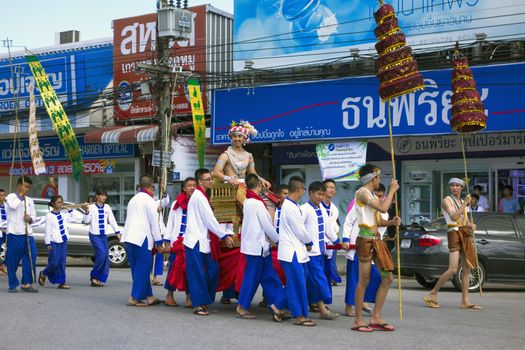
[468, 112]
[397, 70]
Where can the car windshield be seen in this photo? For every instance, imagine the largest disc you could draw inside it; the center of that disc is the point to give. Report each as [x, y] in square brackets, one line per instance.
[438, 224]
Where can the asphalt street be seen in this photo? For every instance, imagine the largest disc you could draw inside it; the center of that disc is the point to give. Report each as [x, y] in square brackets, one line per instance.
[87, 318]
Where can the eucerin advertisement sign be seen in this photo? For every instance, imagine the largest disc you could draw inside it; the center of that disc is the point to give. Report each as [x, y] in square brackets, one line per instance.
[134, 41]
[288, 32]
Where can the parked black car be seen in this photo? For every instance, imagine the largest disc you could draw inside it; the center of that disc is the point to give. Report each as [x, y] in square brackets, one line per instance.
[78, 244]
[500, 241]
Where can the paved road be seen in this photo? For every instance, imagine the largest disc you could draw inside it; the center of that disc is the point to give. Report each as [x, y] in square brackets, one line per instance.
[87, 318]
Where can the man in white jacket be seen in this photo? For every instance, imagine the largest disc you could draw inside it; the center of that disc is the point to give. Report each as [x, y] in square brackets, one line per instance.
[20, 210]
[318, 226]
[294, 244]
[141, 233]
[202, 272]
[257, 232]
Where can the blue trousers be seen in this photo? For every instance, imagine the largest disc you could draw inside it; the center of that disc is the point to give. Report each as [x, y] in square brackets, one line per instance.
[55, 270]
[17, 250]
[100, 269]
[334, 274]
[140, 262]
[259, 270]
[202, 273]
[294, 296]
[316, 282]
[2, 238]
[158, 269]
[352, 277]
[171, 260]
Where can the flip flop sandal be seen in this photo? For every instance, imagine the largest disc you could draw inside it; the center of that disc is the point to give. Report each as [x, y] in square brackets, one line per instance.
[226, 301]
[286, 316]
[367, 311]
[96, 283]
[246, 316]
[471, 307]
[363, 328]
[155, 302]
[200, 311]
[64, 286]
[382, 327]
[41, 278]
[275, 316]
[351, 314]
[165, 303]
[305, 323]
[155, 283]
[431, 303]
[138, 303]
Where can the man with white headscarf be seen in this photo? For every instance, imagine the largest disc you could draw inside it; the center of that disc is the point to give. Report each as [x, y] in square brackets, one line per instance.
[459, 235]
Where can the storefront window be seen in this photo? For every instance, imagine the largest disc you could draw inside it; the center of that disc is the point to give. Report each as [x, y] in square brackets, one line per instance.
[516, 179]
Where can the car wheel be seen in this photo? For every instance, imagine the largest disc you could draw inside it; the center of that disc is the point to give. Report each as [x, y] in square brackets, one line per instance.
[475, 278]
[426, 282]
[117, 254]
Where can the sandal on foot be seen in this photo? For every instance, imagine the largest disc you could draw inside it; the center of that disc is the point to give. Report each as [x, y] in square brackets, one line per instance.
[200, 311]
[275, 316]
[349, 314]
[285, 316]
[471, 307]
[137, 303]
[431, 303]
[328, 316]
[96, 283]
[29, 289]
[169, 303]
[306, 323]
[382, 327]
[362, 328]
[226, 301]
[155, 301]
[64, 286]
[246, 316]
[41, 278]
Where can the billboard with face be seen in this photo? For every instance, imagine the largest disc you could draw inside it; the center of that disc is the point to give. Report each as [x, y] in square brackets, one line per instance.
[275, 33]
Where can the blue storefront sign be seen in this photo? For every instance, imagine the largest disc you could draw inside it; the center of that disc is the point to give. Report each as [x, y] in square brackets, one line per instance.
[79, 75]
[52, 150]
[351, 108]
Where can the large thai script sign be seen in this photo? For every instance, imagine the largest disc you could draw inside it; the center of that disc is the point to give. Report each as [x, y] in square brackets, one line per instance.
[286, 32]
[351, 108]
[134, 41]
[58, 116]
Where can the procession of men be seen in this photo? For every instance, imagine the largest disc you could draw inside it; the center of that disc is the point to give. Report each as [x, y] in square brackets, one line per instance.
[296, 281]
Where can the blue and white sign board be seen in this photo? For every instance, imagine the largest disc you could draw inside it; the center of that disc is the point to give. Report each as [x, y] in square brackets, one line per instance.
[289, 32]
[351, 108]
[52, 150]
[78, 74]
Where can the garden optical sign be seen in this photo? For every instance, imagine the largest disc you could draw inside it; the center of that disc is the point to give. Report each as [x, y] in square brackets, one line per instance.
[58, 116]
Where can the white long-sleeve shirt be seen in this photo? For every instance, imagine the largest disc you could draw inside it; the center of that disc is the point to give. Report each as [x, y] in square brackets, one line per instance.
[142, 221]
[99, 218]
[333, 227]
[176, 226]
[317, 225]
[351, 231]
[200, 221]
[257, 229]
[57, 226]
[15, 210]
[292, 233]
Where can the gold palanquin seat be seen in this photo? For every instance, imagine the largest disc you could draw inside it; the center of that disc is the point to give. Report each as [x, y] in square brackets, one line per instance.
[226, 202]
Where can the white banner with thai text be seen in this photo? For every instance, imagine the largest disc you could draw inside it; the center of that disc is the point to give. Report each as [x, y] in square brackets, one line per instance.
[36, 153]
[341, 161]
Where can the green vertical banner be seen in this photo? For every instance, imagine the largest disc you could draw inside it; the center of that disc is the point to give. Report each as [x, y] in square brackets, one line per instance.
[58, 116]
[199, 124]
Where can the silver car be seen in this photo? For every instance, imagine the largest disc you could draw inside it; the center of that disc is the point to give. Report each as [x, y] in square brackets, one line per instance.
[78, 244]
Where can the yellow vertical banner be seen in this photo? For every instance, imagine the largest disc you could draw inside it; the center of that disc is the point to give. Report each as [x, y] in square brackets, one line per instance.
[57, 115]
[199, 124]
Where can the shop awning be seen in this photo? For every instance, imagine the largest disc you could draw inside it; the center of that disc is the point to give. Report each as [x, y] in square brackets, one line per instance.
[129, 134]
